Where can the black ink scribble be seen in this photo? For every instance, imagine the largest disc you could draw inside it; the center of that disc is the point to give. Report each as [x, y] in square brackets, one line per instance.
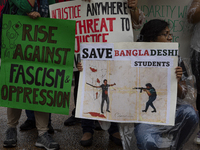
[11, 35]
[67, 79]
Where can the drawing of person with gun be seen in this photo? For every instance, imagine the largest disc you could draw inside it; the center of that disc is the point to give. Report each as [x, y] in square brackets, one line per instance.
[140, 88]
[151, 92]
[104, 93]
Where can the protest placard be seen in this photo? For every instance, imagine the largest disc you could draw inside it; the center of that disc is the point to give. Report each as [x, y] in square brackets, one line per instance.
[37, 63]
[96, 21]
[175, 13]
[115, 76]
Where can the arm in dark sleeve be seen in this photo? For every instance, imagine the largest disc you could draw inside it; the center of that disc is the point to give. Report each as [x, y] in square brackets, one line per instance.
[181, 64]
[182, 87]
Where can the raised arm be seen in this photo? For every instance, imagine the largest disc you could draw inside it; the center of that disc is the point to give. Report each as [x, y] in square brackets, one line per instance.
[147, 91]
[93, 85]
[137, 16]
[112, 84]
[97, 86]
[132, 4]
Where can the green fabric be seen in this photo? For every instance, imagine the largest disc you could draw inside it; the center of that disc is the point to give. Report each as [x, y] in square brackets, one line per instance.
[24, 6]
[152, 91]
[51, 2]
[37, 62]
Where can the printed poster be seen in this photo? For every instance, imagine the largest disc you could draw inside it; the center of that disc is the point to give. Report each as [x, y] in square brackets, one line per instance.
[96, 21]
[116, 77]
[37, 63]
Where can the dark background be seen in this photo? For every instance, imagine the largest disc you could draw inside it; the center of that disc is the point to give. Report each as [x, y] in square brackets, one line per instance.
[2, 2]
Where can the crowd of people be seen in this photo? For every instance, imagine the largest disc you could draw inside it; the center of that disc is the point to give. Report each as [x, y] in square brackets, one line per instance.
[149, 137]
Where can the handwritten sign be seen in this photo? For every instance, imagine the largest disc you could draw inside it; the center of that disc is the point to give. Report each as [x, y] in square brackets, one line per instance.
[175, 13]
[37, 63]
[96, 21]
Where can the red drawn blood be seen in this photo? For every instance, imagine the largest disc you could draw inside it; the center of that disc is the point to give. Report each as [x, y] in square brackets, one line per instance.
[93, 70]
[106, 92]
[96, 95]
[95, 114]
[98, 80]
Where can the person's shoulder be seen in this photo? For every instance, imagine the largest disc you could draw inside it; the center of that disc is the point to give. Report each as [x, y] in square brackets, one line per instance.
[152, 89]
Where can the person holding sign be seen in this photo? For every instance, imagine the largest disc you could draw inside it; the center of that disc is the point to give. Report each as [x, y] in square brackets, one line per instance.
[153, 137]
[193, 18]
[34, 9]
[137, 17]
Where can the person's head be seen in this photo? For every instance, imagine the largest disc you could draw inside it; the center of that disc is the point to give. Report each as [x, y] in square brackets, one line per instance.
[105, 81]
[148, 85]
[155, 30]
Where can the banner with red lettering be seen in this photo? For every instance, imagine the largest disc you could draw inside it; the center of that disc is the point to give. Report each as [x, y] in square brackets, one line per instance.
[96, 21]
[128, 82]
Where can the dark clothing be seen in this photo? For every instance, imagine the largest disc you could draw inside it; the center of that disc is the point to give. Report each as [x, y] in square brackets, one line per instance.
[153, 92]
[153, 137]
[88, 126]
[150, 103]
[31, 116]
[24, 6]
[152, 98]
[102, 103]
[76, 77]
[104, 90]
[57, 1]
[105, 96]
[195, 64]
[198, 103]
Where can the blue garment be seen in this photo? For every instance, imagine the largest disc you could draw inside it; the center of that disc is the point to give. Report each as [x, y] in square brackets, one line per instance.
[43, 9]
[152, 137]
[150, 103]
[30, 116]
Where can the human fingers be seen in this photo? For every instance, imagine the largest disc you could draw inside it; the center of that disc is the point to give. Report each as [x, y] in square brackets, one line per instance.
[132, 4]
[34, 14]
[179, 72]
[79, 66]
